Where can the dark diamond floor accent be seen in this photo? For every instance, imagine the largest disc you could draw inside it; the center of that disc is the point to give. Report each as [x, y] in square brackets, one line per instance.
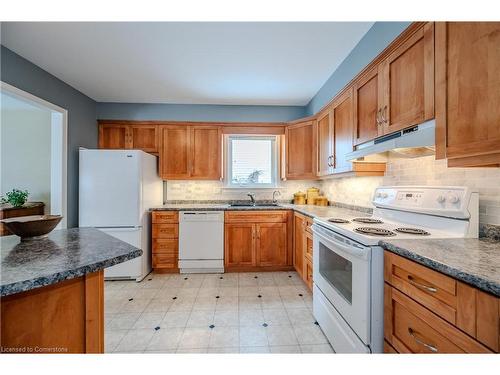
[221, 277]
[174, 297]
[264, 325]
[157, 328]
[290, 276]
[185, 278]
[300, 294]
[211, 326]
[150, 279]
[217, 296]
[130, 299]
[256, 277]
[316, 323]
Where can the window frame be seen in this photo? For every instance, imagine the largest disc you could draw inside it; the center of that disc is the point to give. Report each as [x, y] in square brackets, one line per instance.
[228, 184]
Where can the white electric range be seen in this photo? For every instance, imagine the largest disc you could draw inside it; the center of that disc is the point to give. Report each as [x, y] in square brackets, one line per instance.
[348, 262]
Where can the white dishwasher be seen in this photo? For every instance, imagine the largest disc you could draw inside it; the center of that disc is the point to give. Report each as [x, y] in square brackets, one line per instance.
[201, 241]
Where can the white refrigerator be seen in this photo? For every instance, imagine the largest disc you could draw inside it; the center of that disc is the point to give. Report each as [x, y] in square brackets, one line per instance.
[116, 190]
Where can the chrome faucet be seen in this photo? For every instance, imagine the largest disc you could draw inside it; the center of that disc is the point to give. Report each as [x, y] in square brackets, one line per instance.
[252, 198]
[274, 195]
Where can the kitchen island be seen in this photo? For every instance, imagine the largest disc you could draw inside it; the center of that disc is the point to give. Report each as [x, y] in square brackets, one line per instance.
[52, 290]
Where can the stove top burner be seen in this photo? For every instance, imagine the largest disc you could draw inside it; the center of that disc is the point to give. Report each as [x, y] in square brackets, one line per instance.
[338, 221]
[375, 231]
[367, 220]
[417, 231]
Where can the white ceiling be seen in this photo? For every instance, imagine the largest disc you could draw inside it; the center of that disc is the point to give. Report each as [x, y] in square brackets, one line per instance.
[191, 63]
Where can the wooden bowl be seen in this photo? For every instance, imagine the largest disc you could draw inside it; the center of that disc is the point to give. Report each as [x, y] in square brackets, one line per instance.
[32, 227]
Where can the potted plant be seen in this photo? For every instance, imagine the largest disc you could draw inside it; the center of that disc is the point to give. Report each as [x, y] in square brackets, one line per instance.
[16, 197]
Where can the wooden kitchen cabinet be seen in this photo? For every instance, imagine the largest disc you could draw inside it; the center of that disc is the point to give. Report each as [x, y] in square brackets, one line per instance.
[128, 137]
[366, 106]
[428, 312]
[165, 241]
[406, 91]
[190, 152]
[303, 249]
[256, 240]
[325, 144]
[342, 113]
[301, 150]
[468, 93]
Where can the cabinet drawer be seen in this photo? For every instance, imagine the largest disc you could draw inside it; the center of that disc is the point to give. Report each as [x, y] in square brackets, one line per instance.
[308, 273]
[411, 328]
[160, 217]
[165, 231]
[309, 223]
[165, 261]
[165, 246]
[255, 216]
[428, 287]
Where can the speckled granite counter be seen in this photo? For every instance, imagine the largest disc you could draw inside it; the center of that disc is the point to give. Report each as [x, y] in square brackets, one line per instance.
[308, 210]
[473, 261]
[65, 254]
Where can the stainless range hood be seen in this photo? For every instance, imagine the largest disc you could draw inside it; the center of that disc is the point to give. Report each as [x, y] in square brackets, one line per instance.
[416, 141]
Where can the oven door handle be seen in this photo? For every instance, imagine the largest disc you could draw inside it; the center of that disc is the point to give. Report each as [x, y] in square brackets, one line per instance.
[353, 250]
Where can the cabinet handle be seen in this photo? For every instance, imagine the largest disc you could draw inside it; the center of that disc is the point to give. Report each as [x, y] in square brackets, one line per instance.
[378, 116]
[412, 281]
[412, 333]
[383, 113]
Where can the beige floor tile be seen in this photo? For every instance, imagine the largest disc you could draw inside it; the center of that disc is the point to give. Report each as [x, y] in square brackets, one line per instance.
[175, 319]
[165, 339]
[321, 348]
[205, 303]
[287, 349]
[293, 302]
[254, 349]
[135, 305]
[232, 350]
[227, 303]
[195, 338]
[113, 306]
[248, 291]
[182, 304]
[200, 318]
[307, 335]
[149, 320]
[272, 302]
[253, 336]
[281, 335]
[275, 317]
[226, 318]
[159, 305]
[135, 340]
[222, 337]
[251, 317]
[301, 316]
[192, 351]
[112, 338]
[188, 292]
[249, 303]
[123, 321]
[228, 291]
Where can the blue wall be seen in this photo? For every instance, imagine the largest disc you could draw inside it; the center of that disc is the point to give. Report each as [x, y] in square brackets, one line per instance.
[380, 35]
[82, 129]
[197, 112]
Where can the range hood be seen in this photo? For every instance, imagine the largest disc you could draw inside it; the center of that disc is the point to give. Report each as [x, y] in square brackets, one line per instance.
[419, 140]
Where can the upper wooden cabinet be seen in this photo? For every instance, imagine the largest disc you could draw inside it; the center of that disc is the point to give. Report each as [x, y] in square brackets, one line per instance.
[468, 93]
[366, 107]
[300, 150]
[190, 152]
[406, 92]
[325, 144]
[125, 137]
[342, 114]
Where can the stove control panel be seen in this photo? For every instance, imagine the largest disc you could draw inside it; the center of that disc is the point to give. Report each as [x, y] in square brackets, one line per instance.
[444, 201]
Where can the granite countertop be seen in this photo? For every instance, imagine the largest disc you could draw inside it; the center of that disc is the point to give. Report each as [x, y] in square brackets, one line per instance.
[308, 210]
[65, 254]
[471, 260]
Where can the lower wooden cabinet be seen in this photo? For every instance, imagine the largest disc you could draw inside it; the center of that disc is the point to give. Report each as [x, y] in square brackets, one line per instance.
[256, 241]
[165, 241]
[428, 312]
[303, 247]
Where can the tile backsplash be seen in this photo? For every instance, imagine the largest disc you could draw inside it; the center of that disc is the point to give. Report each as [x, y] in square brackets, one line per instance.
[358, 190]
[422, 171]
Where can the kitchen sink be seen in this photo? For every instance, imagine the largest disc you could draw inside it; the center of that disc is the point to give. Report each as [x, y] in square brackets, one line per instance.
[254, 205]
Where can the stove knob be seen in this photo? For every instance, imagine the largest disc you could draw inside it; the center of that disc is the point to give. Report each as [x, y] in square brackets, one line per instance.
[441, 199]
[454, 198]
[384, 195]
[379, 195]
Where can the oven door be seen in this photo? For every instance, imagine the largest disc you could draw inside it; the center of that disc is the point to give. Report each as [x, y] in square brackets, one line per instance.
[342, 272]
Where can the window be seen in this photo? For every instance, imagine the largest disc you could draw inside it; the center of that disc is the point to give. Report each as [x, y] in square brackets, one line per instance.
[251, 161]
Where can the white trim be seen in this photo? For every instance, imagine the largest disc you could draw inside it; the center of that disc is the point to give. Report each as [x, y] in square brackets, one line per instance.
[41, 103]
[227, 165]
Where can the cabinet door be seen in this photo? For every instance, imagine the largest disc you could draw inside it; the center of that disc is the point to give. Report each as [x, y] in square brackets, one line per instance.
[343, 123]
[468, 93]
[271, 244]
[239, 245]
[325, 147]
[407, 90]
[206, 144]
[114, 137]
[300, 146]
[366, 107]
[299, 224]
[175, 152]
[144, 137]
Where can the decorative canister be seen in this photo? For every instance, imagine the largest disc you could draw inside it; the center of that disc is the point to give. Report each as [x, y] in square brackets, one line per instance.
[312, 194]
[299, 198]
[321, 201]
